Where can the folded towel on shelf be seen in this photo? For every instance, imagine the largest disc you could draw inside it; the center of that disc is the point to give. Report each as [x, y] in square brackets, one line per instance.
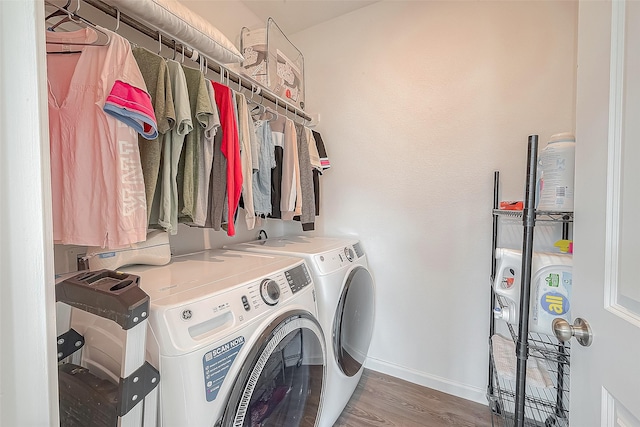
[504, 358]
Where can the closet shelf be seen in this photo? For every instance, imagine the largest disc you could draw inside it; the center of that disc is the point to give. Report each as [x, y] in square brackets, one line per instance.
[552, 216]
[171, 43]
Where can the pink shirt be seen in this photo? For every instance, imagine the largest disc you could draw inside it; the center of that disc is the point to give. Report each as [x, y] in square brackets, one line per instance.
[97, 105]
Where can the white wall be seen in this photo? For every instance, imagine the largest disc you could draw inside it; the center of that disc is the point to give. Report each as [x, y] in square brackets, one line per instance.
[28, 380]
[419, 103]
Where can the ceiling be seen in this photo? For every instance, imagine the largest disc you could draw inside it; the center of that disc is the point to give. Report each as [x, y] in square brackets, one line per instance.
[296, 15]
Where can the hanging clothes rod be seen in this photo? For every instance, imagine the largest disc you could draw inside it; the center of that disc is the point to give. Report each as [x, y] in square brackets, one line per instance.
[188, 52]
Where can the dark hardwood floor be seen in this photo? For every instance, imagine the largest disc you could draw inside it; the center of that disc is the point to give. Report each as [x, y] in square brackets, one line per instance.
[382, 400]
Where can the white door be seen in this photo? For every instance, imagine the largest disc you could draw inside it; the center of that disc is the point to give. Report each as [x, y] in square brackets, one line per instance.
[605, 377]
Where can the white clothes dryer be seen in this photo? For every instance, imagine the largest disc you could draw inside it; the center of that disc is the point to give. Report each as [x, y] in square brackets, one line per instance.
[346, 307]
[234, 335]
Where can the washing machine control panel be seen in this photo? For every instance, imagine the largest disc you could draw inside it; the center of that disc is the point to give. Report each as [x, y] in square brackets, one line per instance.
[196, 322]
[298, 277]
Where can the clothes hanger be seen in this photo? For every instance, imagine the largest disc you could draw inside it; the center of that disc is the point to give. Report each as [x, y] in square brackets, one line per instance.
[258, 110]
[159, 43]
[80, 21]
[57, 12]
[225, 77]
[201, 65]
[275, 115]
[263, 108]
[115, 30]
[255, 90]
[175, 49]
[222, 71]
[61, 11]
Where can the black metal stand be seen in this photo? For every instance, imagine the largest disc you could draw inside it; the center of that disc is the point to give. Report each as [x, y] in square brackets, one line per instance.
[528, 222]
[494, 242]
[515, 403]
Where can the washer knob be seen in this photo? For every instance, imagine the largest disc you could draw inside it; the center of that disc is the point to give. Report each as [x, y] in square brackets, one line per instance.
[270, 291]
[348, 252]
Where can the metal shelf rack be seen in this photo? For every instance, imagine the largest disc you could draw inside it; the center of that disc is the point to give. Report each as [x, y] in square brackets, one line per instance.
[542, 406]
[512, 401]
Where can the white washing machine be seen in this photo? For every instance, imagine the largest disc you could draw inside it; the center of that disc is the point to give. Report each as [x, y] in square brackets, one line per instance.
[346, 307]
[234, 335]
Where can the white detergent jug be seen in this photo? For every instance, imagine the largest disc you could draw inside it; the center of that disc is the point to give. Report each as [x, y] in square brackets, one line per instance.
[551, 282]
[551, 298]
[507, 279]
[556, 174]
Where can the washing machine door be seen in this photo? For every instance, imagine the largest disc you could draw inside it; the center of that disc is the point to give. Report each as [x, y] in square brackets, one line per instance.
[353, 323]
[281, 384]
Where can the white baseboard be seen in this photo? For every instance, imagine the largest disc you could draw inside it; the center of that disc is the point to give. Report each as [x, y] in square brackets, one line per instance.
[431, 381]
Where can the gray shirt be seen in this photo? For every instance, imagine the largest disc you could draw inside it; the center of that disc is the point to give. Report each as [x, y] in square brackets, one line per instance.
[266, 162]
[165, 207]
[308, 215]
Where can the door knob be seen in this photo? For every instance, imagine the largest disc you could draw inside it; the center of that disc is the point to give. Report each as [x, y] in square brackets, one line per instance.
[580, 329]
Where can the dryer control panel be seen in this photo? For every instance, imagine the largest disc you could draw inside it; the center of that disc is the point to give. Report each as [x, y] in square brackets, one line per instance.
[331, 261]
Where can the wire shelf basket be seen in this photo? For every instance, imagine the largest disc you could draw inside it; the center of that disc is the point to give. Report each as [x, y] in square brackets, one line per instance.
[544, 406]
[553, 216]
[546, 346]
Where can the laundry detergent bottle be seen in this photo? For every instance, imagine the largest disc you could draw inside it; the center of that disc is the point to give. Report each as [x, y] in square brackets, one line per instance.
[556, 166]
[551, 295]
[507, 283]
[551, 283]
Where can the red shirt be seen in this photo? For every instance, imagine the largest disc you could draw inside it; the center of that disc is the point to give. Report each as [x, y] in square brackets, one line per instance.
[230, 149]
